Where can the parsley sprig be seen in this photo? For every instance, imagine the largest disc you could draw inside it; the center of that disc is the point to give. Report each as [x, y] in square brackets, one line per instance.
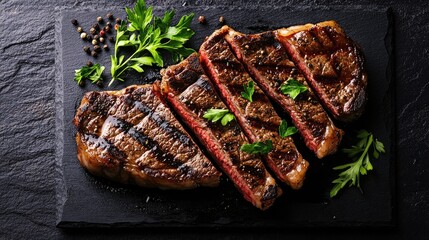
[249, 89]
[92, 73]
[215, 115]
[285, 131]
[293, 88]
[258, 147]
[360, 154]
[146, 34]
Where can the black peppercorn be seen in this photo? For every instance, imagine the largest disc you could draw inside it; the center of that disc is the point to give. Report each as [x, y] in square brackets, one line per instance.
[81, 83]
[118, 20]
[96, 37]
[109, 24]
[105, 47]
[86, 49]
[94, 53]
[96, 26]
[97, 48]
[99, 19]
[79, 30]
[109, 16]
[92, 31]
[107, 29]
[202, 19]
[111, 39]
[99, 83]
[89, 64]
[88, 37]
[74, 22]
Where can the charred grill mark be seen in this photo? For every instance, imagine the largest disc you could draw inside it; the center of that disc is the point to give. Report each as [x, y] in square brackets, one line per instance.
[145, 141]
[104, 144]
[270, 193]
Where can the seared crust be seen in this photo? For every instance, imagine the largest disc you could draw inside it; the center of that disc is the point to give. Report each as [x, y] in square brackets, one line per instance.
[332, 63]
[268, 63]
[190, 94]
[130, 136]
[258, 119]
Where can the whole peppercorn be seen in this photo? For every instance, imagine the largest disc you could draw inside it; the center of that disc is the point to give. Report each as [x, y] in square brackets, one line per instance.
[101, 40]
[102, 33]
[109, 16]
[92, 31]
[81, 83]
[88, 37]
[109, 24]
[89, 64]
[86, 49]
[118, 20]
[74, 22]
[96, 26]
[202, 19]
[99, 83]
[111, 39]
[97, 48]
[99, 19]
[107, 29]
[96, 37]
[222, 19]
[94, 42]
[105, 47]
[83, 35]
[94, 53]
[79, 29]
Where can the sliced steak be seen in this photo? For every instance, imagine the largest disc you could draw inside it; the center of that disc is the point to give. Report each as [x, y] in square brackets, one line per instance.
[332, 63]
[190, 94]
[131, 136]
[258, 119]
[268, 63]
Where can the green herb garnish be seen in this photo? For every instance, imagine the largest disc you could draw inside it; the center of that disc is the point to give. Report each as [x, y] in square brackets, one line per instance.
[293, 88]
[249, 89]
[361, 165]
[285, 131]
[93, 73]
[258, 147]
[146, 35]
[219, 114]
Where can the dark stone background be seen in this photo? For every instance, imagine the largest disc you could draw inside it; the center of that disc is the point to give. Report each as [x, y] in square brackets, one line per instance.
[28, 169]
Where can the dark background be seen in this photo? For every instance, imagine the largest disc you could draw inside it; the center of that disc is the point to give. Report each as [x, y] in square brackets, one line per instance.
[28, 171]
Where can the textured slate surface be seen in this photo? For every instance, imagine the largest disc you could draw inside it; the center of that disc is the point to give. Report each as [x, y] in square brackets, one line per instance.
[27, 124]
[223, 206]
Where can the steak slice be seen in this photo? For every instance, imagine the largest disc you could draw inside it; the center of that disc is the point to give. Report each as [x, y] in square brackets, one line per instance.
[258, 119]
[268, 63]
[130, 136]
[190, 94]
[332, 63]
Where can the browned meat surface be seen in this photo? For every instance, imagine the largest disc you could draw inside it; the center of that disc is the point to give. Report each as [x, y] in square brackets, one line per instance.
[190, 94]
[129, 136]
[258, 119]
[268, 63]
[332, 63]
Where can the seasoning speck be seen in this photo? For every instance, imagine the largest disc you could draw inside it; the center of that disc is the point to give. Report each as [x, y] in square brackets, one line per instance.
[74, 22]
[83, 35]
[222, 19]
[99, 19]
[109, 16]
[202, 19]
[79, 29]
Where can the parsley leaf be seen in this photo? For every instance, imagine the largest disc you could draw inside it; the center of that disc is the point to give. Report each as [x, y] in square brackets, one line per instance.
[361, 165]
[293, 88]
[147, 34]
[215, 115]
[92, 73]
[249, 89]
[285, 131]
[258, 147]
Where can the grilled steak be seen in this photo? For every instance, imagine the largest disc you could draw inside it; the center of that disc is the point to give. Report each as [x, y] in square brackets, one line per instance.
[332, 63]
[130, 136]
[267, 61]
[190, 94]
[258, 119]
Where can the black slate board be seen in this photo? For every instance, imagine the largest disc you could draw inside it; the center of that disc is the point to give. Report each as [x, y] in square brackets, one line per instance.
[88, 201]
